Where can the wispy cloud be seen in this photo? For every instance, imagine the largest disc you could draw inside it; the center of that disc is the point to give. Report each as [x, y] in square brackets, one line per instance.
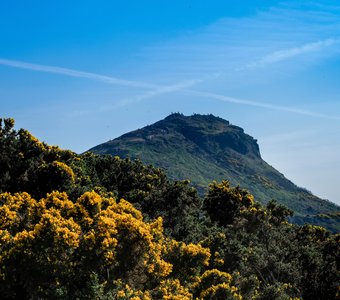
[296, 51]
[290, 53]
[277, 34]
[75, 73]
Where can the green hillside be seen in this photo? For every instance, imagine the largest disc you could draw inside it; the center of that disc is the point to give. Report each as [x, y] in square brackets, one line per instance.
[203, 148]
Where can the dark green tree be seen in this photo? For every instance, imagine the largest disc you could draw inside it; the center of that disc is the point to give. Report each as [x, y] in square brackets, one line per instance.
[224, 203]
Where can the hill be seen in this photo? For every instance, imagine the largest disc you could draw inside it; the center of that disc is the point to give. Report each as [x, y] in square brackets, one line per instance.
[203, 148]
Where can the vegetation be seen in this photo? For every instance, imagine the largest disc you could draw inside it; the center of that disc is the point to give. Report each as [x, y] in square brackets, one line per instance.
[203, 148]
[101, 227]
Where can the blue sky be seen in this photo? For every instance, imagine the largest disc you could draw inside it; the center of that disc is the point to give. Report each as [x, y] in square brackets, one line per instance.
[78, 73]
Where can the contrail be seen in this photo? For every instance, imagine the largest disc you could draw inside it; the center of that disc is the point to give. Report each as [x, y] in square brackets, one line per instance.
[183, 85]
[155, 92]
[76, 73]
[261, 104]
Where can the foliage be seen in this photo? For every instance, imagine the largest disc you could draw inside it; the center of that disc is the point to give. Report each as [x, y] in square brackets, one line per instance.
[214, 284]
[66, 232]
[55, 242]
[223, 203]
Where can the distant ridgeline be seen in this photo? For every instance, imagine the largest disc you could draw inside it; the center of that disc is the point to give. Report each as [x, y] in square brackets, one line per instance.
[204, 148]
[88, 226]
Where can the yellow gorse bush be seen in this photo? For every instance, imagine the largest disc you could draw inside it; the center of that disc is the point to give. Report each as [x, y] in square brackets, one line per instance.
[97, 227]
[59, 234]
[125, 292]
[31, 141]
[215, 284]
[171, 289]
[221, 291]
[64, 168]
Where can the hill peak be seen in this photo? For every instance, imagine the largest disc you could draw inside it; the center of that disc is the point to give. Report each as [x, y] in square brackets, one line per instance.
[210, 133]
[198, 134]
[197, 117]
